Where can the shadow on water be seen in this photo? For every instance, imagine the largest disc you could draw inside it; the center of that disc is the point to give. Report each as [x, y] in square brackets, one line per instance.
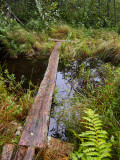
[33, 70]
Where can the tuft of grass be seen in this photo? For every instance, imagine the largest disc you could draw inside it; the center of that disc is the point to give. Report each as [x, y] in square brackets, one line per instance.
[62, 32]
[44, 48]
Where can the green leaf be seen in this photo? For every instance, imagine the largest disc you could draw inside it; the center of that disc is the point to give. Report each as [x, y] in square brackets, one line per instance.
[88, 144]
[89, 149]
[104, 155]
[91, 128]
[92, 154]
[84, 134]
[88, 119]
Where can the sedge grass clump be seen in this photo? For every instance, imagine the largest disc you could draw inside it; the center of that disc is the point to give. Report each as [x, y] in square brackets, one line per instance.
[62, 32]
[79, 50]
[44, 48]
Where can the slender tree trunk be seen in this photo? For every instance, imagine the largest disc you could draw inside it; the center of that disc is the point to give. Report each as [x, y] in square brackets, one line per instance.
[108, 8]
[115, 12]
[99, 7]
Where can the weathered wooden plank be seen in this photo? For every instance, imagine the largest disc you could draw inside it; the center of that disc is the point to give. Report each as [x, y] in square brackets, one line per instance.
[59, 40]
[36, 127]
[7, 151]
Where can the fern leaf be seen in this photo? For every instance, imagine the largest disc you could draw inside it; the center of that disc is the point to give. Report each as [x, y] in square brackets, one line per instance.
[89, 149]
[107, 149]
[94, 145]
[97, 124]
[88, 119]
[87, 133]
[102, 132]
[91, 128]
[87, 123]
[102, 136]
[88, 144]
[101, 141]
[92, 154]
[104, 155]
[102, 146]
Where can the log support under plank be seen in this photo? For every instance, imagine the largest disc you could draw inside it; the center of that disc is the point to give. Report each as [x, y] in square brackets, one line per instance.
[7, 152]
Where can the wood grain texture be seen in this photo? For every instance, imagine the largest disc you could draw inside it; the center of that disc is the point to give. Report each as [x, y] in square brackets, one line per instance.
[20, 154]
[36, 127]
[7, 151]
[30, 154]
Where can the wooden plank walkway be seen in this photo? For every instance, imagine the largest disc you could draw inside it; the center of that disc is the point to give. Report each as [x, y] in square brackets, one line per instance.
[35, 131]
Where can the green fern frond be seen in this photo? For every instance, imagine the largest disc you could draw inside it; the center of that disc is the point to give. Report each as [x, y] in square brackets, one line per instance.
[94, 145]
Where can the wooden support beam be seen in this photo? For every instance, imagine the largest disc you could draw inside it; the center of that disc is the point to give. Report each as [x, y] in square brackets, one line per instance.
[30, 154]
[58, 40]
[7, 151]
[20, 154]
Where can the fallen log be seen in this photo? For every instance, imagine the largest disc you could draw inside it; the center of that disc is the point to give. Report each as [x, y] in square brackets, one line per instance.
[10, 13]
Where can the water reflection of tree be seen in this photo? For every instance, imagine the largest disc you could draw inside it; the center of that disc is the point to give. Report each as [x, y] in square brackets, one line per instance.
[70, 73]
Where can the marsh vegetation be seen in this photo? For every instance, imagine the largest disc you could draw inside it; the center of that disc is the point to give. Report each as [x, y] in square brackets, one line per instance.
[90, 106]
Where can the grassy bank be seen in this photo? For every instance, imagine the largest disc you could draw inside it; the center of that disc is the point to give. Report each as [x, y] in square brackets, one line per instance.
[16, 40]
[100, 43]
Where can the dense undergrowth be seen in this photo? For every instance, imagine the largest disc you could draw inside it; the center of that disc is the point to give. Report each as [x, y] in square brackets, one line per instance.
[34, 40]
[16, 40]
[14, 106]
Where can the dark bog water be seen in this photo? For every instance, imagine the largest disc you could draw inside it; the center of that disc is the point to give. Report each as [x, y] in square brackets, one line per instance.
[68, 83]
[32, 69]
[66, 77]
